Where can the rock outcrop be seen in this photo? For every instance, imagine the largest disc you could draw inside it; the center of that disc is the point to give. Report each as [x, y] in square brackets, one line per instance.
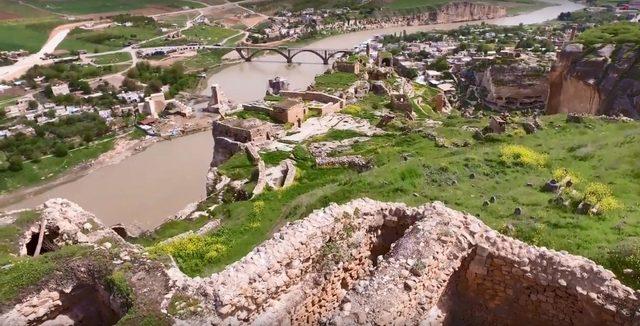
[79, 285]
[602, 82]
[466, 11]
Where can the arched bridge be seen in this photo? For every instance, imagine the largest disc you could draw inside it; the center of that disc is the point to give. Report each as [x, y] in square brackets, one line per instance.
[248, 53]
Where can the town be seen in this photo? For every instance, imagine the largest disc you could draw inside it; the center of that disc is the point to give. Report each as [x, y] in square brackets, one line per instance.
[395, 162]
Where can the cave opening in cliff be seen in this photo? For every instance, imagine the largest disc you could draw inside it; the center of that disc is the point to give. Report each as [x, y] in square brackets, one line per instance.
[48, 244]
[389, 233]
[87, 304]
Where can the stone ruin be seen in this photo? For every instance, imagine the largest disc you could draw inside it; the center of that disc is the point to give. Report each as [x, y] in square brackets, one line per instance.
[326, 154]
[364, 262]
[79, 295]
[368, 262]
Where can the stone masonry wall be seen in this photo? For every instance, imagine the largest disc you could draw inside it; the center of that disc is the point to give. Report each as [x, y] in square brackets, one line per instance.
[368, 262]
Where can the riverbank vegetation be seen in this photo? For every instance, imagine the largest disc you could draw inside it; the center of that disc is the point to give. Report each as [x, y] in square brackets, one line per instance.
[498, 179]
[54, 148]
[48, 168]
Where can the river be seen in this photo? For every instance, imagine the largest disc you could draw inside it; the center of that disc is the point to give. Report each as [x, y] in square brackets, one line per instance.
[150, 186]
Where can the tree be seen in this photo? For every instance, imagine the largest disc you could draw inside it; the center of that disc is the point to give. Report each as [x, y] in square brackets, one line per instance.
[60, 150]
[153, 86]
[15, 163]
[4, 162]
[33, 105]
[412, 73]
[48, 92]
[131, 85]
[440, 64]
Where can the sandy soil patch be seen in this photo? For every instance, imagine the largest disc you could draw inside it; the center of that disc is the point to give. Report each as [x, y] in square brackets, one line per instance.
[173, 58]
[7, 15]
[224, 12]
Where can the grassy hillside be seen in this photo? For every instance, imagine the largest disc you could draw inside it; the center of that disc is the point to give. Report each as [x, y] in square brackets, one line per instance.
[480, 179]
[618, 33]
[82, 7]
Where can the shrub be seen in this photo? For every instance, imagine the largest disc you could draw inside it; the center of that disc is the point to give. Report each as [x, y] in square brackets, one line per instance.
[119, 284]
[601, 195]
[193, 252]
[60, 150]
[626, 255]
[352, 110]
[15, 163]
[564, 173]
[522, 156]
[4, 161]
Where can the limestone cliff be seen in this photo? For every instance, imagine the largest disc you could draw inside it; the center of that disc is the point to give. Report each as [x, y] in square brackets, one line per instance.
[466, 11]
[605, 81]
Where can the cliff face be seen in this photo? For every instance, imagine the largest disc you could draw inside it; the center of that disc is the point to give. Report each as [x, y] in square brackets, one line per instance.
[466, 11]
[605, 82]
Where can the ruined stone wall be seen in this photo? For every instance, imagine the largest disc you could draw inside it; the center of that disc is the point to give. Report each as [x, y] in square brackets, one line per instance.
[502, 289]
[348, 67]
[314, 96]
[368, 262]
[259, 133]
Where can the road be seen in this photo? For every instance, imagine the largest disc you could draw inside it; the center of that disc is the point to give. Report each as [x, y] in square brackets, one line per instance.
[56, 37]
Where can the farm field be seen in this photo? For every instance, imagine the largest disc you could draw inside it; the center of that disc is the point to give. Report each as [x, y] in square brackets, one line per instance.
[113, 58]
[12, 9]
[108, 39]
[83, 7]
[208, 35]
[28, 34]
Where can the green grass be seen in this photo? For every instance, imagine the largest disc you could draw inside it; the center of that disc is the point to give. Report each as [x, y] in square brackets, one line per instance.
[336, 134]
[443, 174]
[274, 157]
[13, 10]
[82, 7]
[10, 234]
[28, 271]
[29, 34]
[335, 81]
[615, 33]
[238, 167]
[205, 59]
[170, 229]
[247, 114]
[415, 4]
[50, 167]
[108, 39]
[108, 59]
[208, 34]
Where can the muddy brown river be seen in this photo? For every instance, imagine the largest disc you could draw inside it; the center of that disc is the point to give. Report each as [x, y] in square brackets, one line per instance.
[146, 188]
